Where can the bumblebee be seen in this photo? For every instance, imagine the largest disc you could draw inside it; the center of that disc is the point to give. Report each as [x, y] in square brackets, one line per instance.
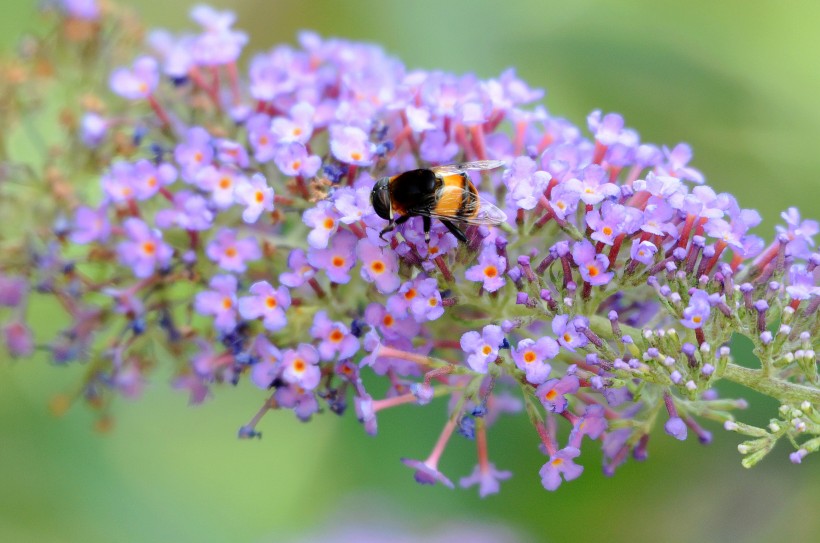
[441, 192]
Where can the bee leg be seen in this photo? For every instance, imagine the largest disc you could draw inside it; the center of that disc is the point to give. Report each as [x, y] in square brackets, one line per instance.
[455, 231]
[427, 224]
[389, 228]
[392, 225]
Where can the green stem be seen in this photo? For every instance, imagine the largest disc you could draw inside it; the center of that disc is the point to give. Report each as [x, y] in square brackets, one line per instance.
[784, 391]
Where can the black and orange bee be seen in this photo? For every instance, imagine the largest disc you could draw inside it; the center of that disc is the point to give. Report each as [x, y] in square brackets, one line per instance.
[440, 192]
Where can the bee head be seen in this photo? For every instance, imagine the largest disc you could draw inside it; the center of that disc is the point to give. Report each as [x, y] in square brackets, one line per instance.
[380, 198]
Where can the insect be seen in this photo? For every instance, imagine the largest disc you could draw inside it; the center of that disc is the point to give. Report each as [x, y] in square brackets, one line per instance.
[440, 192]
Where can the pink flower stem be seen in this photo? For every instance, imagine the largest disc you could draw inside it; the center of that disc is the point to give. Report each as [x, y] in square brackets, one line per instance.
[160, 112]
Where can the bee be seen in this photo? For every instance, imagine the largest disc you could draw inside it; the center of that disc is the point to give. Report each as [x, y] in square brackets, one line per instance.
[440, 192]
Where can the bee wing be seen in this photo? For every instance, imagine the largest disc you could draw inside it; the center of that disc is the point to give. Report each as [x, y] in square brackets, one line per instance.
[487, 213]
[450, 169]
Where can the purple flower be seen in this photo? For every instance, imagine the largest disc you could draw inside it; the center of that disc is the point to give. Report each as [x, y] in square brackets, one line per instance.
[268, 365]
[12, 290]
[607, 129]
[221, 182]
[349, 144]
[144, 251]
[481, 349]
[93, 129]
[564, 200]
[260, 137]
[218, 44]
[592, 266]
[90, 225]
[524, 184]
[568, 335]
[118, 182]
[643, 251]
[87, 10]
[698, 310]
[551, 393]
[420, 297]
[560, 463]
[352, 204]
[323, 221]
[301, 401]
[489, 269]
[18, 338]
[593, 423]
[378, 266]
[300, 366]
[298, 128]
[487, 479]
[802, 283]
[366, 414]
[293, 159]
[593, 186]
[220, 302]
[676, 428]
[676, 163]
[256, 196]
[147, 178]
[657, 215]
[138, 82]
[800, 233]
[427, 472]
[267, 303]
[612, 220]
[190, 211]
[230, 253]
[194, 152]
[530, 355]
[336, 339]
[338, 259]
[301, 270]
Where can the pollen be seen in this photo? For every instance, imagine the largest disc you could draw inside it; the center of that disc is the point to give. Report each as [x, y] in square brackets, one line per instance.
[697, 319]
[529, 357]
[557, 462]
[336, 336]
[338, 261]
[198, 156]
[225, 183]
[486, 350]
[230, 252]
[567, 337]
[560, 204]
[149, 247]
[433, 302]
[299, 365]
[297, 131]
[593, 270]
[328, 223]
[490, 271]
[388, 320]
[227, 303]
[260, 196]
[377, 266]
[143, 87]
[607, 230]
[410, 294]
[263, 140]
[433, 250]
[356, 156]
[270, 301]
[551, 395]
[295, 165]
[151, 182]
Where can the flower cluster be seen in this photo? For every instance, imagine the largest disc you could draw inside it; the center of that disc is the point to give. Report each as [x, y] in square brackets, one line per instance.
[234, 228]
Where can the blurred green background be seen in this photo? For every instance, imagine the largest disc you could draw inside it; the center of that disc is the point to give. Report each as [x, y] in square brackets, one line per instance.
[739, 81]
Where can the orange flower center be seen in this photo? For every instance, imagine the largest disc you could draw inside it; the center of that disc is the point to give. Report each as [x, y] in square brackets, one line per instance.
[260, 196]
[336, 336]
[486, 350]
[696, 319]
[298, 365]
[567, 337]
[263, 140]
[296, 165]
[149, 248]
[230, 252]
[529, 357]
[557, 462]
[377, 266]
[433, 250]
[433, 302]
[356, 156]
[152, 181]
[593, 270]
[270, 301]
[388, 320]
[328, 224]
[338, 261]
[490, 271]
[297, 131]
[227, 303]
[198, 156]
[607, 230]
[410, 294]
[551, 395]
[225, 183]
